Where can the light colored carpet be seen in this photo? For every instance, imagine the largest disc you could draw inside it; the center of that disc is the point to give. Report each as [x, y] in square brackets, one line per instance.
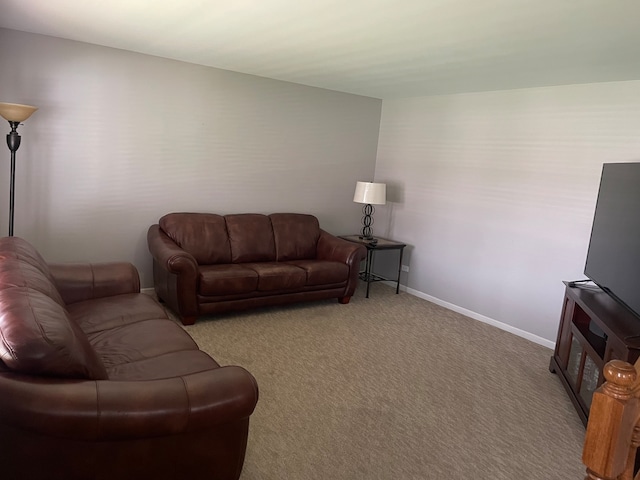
[395, 387]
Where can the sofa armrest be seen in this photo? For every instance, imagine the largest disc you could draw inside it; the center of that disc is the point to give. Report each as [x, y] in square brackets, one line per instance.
[337, 249]
[175, 274]
[85, 281]
[168, 254]
[119, 410]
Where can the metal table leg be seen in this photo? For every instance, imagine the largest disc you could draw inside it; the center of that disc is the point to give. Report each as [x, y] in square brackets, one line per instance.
[368, 269]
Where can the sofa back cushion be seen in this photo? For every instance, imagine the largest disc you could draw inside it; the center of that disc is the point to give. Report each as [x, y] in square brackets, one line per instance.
[251, 238]
[203, 235]
[19, 249]
[20, 273]
[296, 236]
[39, 338]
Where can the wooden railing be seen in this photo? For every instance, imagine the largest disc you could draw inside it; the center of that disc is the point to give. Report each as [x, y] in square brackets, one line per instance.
[613, 430]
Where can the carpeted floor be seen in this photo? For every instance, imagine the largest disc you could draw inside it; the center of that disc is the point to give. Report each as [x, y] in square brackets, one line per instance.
[395, 387]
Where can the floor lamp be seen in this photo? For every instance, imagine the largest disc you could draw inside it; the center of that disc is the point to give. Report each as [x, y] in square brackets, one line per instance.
[14, 113]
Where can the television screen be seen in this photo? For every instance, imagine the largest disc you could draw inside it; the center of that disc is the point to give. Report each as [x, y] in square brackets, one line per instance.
[613, 258]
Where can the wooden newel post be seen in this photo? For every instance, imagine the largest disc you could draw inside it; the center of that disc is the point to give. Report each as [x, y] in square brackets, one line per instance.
[609, 449]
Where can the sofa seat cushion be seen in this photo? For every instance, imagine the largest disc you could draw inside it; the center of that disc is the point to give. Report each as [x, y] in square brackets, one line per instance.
[278, 276]
[227, 279]
[38, 338]
[323, 272]
[172, 364]
[140, 341]
[109, 312]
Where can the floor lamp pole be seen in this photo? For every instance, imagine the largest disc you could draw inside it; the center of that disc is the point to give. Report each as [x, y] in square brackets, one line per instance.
[14, 113]
[13, 142]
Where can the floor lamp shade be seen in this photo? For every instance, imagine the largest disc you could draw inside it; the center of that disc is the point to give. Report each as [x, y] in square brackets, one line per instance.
[370, 194]
[14, 113]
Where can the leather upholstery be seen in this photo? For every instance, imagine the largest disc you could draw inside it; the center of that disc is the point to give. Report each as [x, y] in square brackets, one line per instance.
[204, 236]
[97, 382]
[251, 238]
[272, 260]
[296, 236]
[39, 338]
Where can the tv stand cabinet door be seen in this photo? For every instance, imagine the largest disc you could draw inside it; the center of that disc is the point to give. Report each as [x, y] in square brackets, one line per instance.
[593, 330]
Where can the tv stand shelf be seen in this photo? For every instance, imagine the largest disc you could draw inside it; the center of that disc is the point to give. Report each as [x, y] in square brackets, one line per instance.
[594, 329]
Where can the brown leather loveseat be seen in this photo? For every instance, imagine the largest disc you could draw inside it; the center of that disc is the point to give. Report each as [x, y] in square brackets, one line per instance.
[96, 382]
[206, 263]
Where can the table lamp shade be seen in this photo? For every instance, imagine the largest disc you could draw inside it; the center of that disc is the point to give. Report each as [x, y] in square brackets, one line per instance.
[370, 193]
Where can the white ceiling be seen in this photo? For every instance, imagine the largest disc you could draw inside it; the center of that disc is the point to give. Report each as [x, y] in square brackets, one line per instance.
[377, 48]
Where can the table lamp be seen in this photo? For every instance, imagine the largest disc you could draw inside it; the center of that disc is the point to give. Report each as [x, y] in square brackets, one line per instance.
[370, 194]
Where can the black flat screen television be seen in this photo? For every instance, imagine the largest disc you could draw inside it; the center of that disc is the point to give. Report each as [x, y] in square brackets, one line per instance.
[613, 258]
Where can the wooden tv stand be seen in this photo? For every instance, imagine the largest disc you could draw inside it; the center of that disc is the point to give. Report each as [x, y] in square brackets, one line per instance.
[594, 328]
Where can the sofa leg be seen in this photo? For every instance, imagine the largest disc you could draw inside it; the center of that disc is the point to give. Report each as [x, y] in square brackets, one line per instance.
[344, 300]
[188, 320]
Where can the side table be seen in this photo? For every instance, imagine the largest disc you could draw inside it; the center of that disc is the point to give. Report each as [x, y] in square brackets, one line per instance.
[382, 244]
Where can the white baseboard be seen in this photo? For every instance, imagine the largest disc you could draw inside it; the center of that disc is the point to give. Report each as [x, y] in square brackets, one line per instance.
[148, 291]
[476, 316]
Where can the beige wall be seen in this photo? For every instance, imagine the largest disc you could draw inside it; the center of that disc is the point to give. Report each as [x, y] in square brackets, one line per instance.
[495, 193]
[122, 138]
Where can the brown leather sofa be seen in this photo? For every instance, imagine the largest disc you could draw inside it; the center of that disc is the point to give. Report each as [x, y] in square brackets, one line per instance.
[206, 263]
[96, 382]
